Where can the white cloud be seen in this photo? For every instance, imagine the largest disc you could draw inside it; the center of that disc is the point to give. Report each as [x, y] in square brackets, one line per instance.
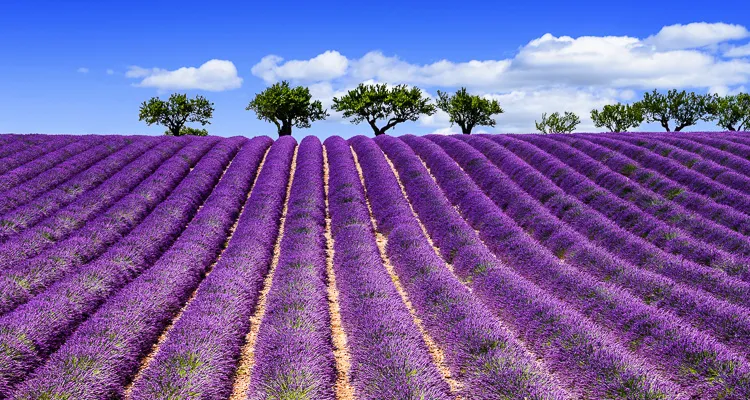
[110, 72]
[83, 70]
[325, 66]
[607, 62]
[135, 71]
[547, 74]
[213, 75]
[697, 34]
[445, 131]
[738, 51]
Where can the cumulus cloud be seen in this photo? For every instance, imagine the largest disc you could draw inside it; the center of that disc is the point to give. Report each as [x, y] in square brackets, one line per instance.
[697, 34]
[609, 61]
[325, 66]
[213, 75]
[549, 73]
[83, 70]
[523, 107]
[738, 51]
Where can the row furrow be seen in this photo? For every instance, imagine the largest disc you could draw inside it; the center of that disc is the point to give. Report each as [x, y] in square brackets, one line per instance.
[200, 353]
[388, 352]
[695, 181]
[482, 353]
[595, 199]
[669, 345]
[31, 211]
[23, 280]
[662, 185]
[50, 321]
[648, 201]
[47, 180]
[608, 235]
[704, 165]
[153, 166]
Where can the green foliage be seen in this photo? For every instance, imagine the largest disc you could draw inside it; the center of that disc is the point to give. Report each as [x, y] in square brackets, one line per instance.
[468, 110]
[555, 123]
[373, 102]
[186, 130]
[176, 111]
[618, 117]
[685, 108]
[286, 107]
[733, 112]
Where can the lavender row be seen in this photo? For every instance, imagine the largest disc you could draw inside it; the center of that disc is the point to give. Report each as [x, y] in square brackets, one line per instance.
[29, 170]
[729, 323]
[479, 350]
[64, 171]
[739, 150]
[694, 181]
[648, 201]
[700, 164]
[119, 334]
[212, 328]
[627, 216]
[584, 357]
[29, 154]
[211, 331]
[95, 203]
[388, 352]
[671, 346]
[608, 235]
[24, 279]
[29, 214]
[735, 137]
[38, 328]
[294, 350]
[667, 188]
[15, 144]
[716, 151]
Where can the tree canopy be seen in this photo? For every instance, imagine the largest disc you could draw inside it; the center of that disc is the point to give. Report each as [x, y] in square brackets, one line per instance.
[176, 111]
[555, 123]
[378, 102]
[468, 110]
[618, 117]
[685, 108]
[186, 130]
[732, 112]
[286, 107]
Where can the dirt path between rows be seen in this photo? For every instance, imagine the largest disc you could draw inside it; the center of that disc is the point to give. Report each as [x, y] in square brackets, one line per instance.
[344, 389]
[247, 356]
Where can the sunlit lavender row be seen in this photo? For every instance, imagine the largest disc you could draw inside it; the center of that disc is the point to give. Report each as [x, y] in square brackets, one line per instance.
[583, 266]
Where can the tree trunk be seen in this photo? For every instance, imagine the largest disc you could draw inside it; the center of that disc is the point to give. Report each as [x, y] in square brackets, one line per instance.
[286, 129]
[380, 132]
[466, 130]
[375, 128]
[175, 130]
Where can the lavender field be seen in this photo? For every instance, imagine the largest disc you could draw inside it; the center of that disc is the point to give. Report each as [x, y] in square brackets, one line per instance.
[581, 266]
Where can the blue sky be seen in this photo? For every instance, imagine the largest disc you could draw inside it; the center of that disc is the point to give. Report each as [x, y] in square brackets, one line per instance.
[84, 66]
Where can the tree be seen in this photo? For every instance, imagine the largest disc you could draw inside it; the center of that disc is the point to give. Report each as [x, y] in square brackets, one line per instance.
[558, 124]
[176, 111]
[468, 110]
[685, 108]
[373, 102]
[733, 112]
[618, 117]
[186, 130]
[286, 107]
